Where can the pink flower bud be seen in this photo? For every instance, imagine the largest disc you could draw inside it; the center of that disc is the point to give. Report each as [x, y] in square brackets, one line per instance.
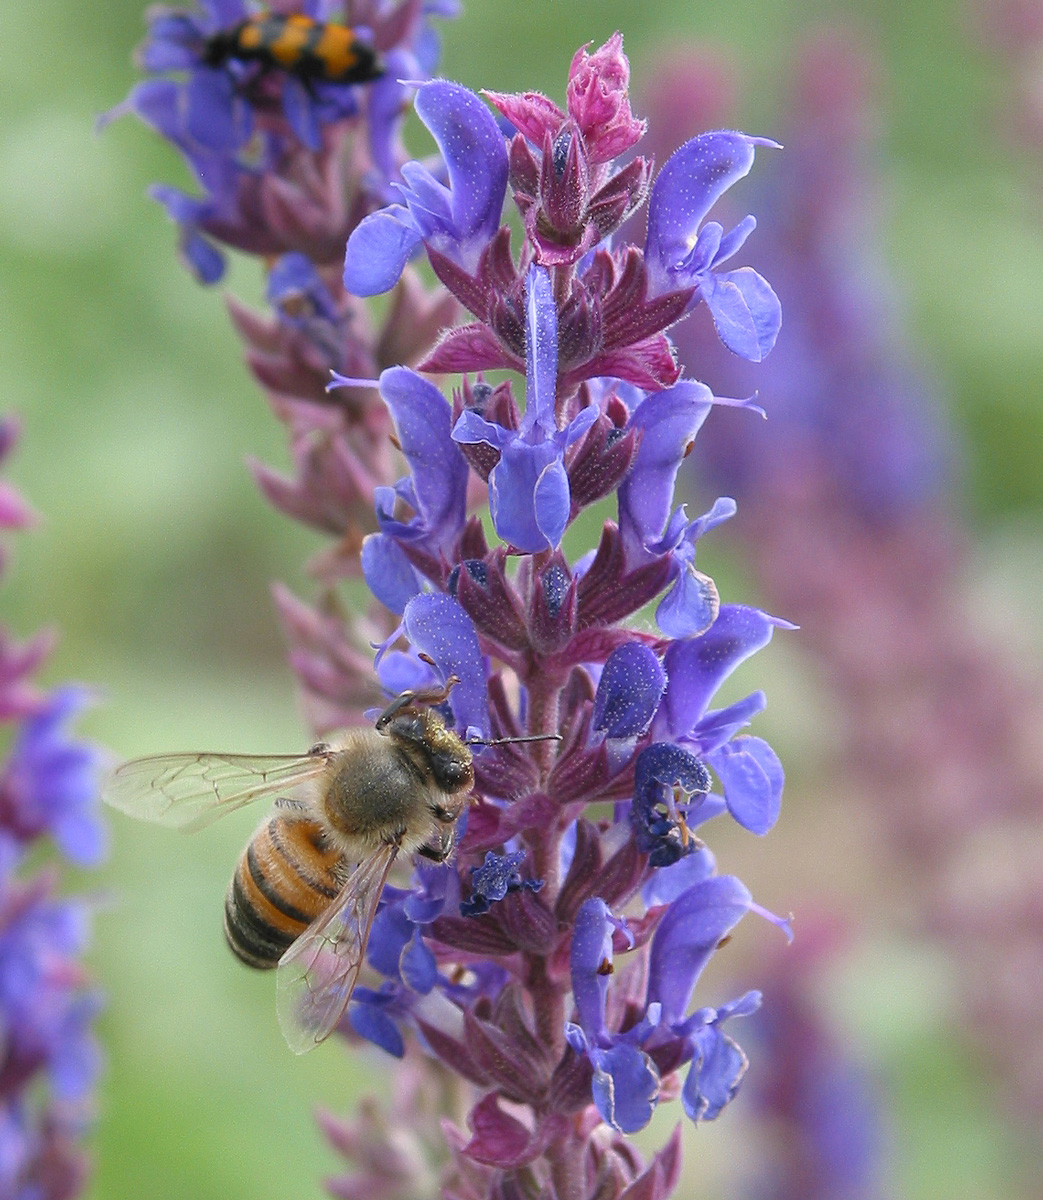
[597, 100]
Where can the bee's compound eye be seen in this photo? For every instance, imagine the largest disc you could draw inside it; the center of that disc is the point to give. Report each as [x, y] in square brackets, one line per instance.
[320, 748]
[452, 772]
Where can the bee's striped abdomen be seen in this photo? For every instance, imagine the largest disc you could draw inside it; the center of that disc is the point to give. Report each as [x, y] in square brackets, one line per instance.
[286, 877]
[298, 45]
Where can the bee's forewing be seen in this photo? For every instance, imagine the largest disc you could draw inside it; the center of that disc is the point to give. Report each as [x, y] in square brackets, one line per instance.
[190, 791]
[317, 974]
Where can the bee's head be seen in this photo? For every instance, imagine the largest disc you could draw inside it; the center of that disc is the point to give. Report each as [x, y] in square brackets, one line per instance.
[423, 733]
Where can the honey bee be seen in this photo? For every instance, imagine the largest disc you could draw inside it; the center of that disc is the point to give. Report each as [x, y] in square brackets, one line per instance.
[295, 902]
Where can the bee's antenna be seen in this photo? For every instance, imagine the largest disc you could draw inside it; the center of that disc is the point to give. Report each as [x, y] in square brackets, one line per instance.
[533, 737]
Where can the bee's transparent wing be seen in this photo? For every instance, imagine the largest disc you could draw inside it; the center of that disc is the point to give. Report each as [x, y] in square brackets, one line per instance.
[190, 791]
[317, 974]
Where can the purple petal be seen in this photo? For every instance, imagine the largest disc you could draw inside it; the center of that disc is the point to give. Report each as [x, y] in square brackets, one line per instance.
[215, 117]
[439, 627]
[691, 605]
[742, 1006]
[471, 428]
[752, 777]
[202, 258]
[735, 239]
[474, 151]
[82, 838]
[629, 690]
[386, 98]
[541, 351]
[423, 420]
[714, 1077]
[721, 724]
[299, 108]
[580, 423]
[697, 667]
[400, 672]
[745, 310]
[158, 103]
[591, 948]
[551, 502]
[417, 965]
[371, 1022]
[687, 937]
[378, 250]
[430, 201]
[225, 12]
[513, 486]
[667, 883]
[391, 933]
[625, 1087]
[389, 575]
[667, 422]
[173, 45]
[724, 508]
[691, 181]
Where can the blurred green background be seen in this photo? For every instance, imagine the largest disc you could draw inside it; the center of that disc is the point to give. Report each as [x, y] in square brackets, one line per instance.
[155, 553]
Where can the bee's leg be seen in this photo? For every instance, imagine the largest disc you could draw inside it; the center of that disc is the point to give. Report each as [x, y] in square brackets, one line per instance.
[442, 850]
[446, 814]
[423, 698]
[290, 804]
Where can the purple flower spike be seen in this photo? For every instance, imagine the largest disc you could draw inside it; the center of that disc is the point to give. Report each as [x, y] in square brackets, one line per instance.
[629, 690]
[437, 626]
[679, 254]
[458, 221]
[529, 495]
[507, 966]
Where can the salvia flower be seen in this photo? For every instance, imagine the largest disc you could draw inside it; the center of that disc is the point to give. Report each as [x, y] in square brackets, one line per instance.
[551, 965]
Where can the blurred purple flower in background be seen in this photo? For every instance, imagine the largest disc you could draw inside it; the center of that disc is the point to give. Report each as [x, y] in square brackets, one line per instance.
[48, 793]
[819, 1109]
[849, 517]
